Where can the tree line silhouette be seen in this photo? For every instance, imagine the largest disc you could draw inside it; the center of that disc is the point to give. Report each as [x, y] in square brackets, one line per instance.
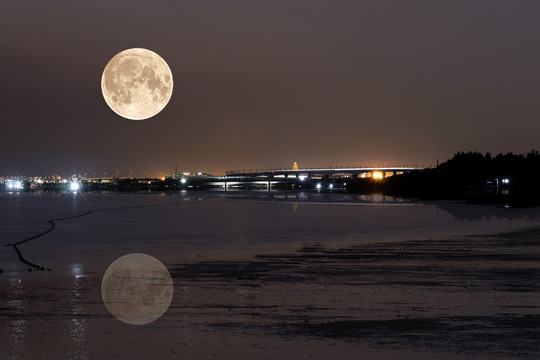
[470, 176]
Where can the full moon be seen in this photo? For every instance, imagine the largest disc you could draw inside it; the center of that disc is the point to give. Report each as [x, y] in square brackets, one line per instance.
[137, 84]
[137, 289]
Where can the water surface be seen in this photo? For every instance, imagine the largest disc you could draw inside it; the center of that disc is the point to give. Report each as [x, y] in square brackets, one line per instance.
[274, 275]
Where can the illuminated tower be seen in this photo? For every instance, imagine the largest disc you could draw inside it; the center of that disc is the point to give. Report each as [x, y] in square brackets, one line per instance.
[295, 166]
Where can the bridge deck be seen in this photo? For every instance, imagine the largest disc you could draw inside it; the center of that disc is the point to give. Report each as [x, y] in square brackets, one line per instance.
[321, 171]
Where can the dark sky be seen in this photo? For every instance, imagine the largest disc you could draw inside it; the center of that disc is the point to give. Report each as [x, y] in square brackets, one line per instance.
[266, 83]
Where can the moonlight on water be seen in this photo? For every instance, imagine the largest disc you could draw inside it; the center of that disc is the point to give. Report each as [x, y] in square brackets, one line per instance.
[137, 84]
[137, 289]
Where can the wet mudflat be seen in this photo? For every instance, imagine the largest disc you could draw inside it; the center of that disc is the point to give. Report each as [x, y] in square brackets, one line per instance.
[261, 278]
[472, 297]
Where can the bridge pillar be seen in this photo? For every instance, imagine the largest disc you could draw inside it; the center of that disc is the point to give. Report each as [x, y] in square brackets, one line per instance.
[269, 185]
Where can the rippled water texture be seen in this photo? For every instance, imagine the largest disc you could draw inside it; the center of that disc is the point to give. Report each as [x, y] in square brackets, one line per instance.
[273, 276]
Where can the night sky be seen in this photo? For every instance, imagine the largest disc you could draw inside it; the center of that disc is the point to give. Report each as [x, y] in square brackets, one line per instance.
[261, 84]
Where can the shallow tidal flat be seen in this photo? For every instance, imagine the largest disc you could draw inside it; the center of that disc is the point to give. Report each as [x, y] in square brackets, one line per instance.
[473, 297]
[317, 293]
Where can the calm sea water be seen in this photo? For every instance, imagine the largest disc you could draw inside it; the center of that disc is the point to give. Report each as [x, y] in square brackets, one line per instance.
[228, 254]
[188, 225]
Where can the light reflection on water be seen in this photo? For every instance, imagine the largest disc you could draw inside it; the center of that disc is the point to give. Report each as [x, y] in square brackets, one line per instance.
[78, 327]
[27, 309]
[459, 210]
[18, 325]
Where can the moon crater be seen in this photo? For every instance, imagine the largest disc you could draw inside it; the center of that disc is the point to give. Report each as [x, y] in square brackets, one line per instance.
[137, 84]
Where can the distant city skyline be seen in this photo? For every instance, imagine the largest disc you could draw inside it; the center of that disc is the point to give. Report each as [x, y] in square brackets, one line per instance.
[134, 174]
[262, 84]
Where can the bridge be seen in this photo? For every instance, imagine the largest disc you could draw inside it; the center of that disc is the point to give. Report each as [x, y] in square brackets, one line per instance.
[282, 179]
[311, 173]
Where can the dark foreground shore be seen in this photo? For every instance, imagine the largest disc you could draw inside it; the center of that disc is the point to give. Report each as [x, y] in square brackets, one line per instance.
[467, 297]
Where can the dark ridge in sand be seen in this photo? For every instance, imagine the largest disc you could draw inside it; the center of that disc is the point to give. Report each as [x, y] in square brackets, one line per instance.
[441, 263]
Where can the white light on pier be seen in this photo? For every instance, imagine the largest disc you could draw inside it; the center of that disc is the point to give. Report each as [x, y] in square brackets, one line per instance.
[74, 186]
[14, 185]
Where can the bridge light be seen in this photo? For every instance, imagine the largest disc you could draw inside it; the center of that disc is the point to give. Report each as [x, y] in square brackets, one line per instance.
[302, 177]
[331, 186]
[319, 186]
[183, 180]
[378, 175]
[505, 181]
